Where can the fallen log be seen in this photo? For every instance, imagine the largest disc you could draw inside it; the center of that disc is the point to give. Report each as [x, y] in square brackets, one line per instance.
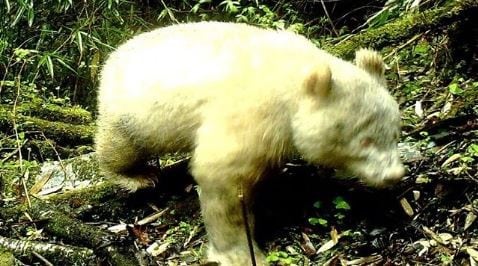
[62, 133]
[100, 242]
[68, 255]
[404, 28]
[53, 112]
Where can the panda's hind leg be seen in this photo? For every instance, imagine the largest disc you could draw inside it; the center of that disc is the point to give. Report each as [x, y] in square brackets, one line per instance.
[121, 158]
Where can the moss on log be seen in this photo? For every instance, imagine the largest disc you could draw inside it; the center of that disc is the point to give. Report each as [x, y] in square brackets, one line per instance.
[102, 241]
[63, 133]
[94, 195]
[405, 27]
[6, 258]
[56, 222]
[53, 112]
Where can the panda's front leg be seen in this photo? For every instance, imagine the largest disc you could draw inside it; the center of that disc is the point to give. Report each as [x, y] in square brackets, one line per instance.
[225, 224]
[226, 174]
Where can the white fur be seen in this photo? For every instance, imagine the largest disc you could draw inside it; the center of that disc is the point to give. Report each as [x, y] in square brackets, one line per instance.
[243, 99]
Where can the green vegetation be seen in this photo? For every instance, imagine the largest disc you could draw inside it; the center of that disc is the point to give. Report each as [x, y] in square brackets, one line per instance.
[340, 206]
[56, 47]
[282, 258]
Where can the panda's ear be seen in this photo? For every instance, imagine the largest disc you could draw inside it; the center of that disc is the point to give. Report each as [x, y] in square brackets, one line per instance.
[370, 61]
[318, 81]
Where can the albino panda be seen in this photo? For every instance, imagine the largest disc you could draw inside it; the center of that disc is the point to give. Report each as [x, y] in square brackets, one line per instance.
[242, 100]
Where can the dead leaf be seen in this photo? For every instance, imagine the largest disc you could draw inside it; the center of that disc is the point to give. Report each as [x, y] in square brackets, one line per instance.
[140, 233]
[331, 243]
[445, 237]
[451, 159]
[307, 246]
[117, 228]
[422, 179]
[406, 207]
[470, 218]
[442, 238]
[473, 255]
[334, 235]
[40, 183]
[425, 246]
[416, 195]
[156, 248]
[326, 246]
[447, 106]
[419, 109]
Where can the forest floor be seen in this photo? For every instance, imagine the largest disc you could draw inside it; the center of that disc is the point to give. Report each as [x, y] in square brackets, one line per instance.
[306, 217]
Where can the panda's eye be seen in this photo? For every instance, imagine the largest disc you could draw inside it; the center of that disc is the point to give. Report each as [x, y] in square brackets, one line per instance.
[367, 142]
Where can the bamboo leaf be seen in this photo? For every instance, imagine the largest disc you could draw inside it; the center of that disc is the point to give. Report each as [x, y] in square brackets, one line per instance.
[63, 63]
[49, 65]
[30, 15]
[18, 15]
[79, 42]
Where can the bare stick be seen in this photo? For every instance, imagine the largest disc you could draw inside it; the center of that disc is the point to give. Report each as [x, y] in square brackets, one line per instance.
[246, 225]
[328, 17]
